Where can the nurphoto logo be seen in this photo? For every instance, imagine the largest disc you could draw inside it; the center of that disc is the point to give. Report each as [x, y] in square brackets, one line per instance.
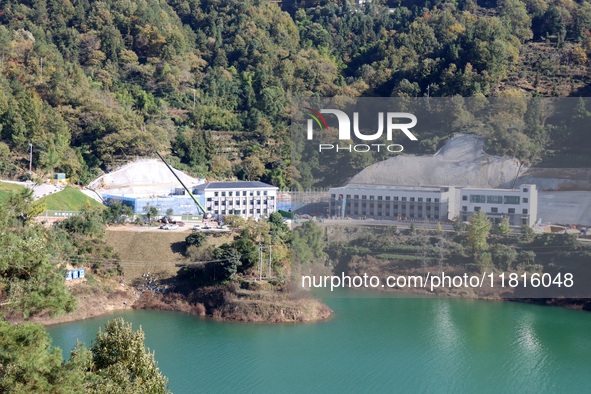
[395, 121]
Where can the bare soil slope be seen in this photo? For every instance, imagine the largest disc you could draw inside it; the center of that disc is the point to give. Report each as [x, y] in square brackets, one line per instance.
[147, 251]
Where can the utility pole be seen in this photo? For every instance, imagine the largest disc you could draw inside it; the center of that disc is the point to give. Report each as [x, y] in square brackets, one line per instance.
[270, 261]
[440, 255]
[30, 157]
[260, 261]
[41, 61]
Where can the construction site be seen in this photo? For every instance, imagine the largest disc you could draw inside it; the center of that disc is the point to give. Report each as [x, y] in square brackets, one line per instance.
[147, 183]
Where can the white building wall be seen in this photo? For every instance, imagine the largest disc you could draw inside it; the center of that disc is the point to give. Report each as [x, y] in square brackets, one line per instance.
[244, 202]
[520, 205]
[394, 203]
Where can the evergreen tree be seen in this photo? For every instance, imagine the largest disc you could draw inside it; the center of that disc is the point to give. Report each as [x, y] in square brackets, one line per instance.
[478, 230]
[503, 227]
[123, 363]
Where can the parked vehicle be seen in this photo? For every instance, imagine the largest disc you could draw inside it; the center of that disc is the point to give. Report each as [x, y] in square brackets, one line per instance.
[172, 227]
[207, 226]
[196, 227]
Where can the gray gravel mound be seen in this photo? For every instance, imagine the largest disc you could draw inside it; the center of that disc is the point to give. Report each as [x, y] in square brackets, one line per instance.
[142, 178]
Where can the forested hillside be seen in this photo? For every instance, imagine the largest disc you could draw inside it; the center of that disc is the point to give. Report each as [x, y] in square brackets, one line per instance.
[93, 84]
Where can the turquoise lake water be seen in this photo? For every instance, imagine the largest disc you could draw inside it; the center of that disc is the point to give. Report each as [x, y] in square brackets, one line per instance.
[371, 344]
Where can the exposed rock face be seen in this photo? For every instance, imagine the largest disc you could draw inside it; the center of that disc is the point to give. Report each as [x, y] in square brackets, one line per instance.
[461, 162]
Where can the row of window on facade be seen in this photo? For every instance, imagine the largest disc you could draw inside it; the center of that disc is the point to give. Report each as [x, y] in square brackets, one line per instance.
[524, 211]
[394, 214]
[237, 198]
[482, 199]
[240, 212]
[387, 198]
[244, 201]
[395, 206]
[237, 193]
[224, 203]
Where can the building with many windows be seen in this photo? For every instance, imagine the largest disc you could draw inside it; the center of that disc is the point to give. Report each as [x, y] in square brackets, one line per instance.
[392, 202]
[520, 205]
[246, 199]
[242, 198]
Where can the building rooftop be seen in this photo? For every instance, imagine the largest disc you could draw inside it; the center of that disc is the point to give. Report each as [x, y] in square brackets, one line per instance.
[515, 189]
[235, 185]
[360, 186]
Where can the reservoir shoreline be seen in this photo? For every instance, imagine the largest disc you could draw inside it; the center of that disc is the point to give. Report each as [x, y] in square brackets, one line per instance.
[430, 343]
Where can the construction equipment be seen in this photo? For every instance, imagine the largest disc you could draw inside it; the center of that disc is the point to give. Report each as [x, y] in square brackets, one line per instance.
[206, 215]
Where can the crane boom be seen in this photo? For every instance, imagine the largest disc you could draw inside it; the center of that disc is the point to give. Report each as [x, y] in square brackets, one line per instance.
[181, 182]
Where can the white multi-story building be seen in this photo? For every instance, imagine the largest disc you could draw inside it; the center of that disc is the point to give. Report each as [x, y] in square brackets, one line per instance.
[392, 202]
[242, 198]
[520, 205]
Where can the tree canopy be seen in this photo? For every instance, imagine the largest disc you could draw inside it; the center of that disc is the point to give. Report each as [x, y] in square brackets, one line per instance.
[117, 362]
[93, 84]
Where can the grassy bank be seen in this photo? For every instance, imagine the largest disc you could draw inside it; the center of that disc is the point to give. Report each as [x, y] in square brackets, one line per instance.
[69, 199]
[6, 188]
[150, 251]
[155, 251]
[145, 250]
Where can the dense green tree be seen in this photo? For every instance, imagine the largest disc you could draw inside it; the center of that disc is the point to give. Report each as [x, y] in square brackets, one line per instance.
[478, 230]
[503, 228]
[31, 282]
[253, 168]
[152, 213]
[308, 243]
[247, 249]
[196, 239]
[278, 226]
[89, 222]
[28, 364]
[94, 84]
[118, 213]
[503, 256]
[123, 363]
[515, 15]
[118, 362]
[525, 258]
[229, 260]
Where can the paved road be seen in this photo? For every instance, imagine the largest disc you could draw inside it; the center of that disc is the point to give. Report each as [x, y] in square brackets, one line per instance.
[187, 228]
[370, 222]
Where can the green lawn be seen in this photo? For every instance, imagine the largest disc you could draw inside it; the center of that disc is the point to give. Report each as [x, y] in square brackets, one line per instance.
[6, 188]
[69, 199]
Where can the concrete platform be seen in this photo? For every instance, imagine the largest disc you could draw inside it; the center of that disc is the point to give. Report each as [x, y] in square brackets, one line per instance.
[565, 207]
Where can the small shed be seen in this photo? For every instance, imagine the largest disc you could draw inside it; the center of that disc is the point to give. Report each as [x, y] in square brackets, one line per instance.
[59, 178]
